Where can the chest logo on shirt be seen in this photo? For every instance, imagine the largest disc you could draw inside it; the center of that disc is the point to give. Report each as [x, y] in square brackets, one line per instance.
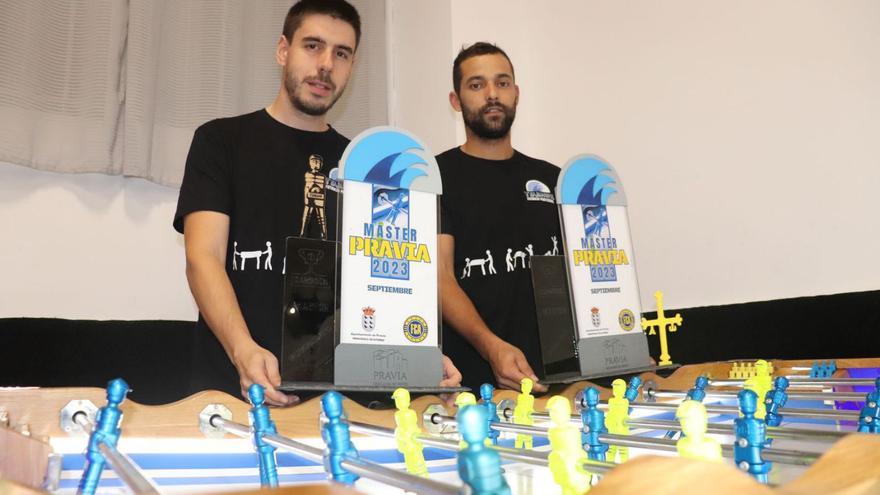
[538, 191]
[314, 197]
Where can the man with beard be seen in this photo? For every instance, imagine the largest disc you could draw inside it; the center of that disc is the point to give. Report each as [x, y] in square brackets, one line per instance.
[497, 204]
[242, 190]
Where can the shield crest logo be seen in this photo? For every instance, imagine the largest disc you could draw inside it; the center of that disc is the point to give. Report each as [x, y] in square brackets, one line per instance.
[368, 319]
[594, 313]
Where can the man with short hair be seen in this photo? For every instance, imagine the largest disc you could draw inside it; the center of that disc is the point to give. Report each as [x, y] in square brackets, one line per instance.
[497, 204]
[242, 190]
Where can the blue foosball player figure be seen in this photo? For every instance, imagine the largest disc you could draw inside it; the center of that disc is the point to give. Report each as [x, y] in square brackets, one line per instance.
[698, 392]
[823, 369]
[870, 414]
[775, 400]
[632, 389]
[751, 438]
[263, 425]
[338, 439]
[479, 466]
[106, 431]
[594, 425]
[486, 393]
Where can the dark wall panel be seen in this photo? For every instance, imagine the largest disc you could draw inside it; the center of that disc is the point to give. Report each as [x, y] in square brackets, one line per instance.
[154, 356]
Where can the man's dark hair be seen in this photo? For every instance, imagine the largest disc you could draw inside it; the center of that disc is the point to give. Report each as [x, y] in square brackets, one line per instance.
[337, 9]
[475, 50]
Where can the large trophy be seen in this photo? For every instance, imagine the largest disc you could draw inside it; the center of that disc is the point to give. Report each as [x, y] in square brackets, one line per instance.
[588, 306]
[373, 324]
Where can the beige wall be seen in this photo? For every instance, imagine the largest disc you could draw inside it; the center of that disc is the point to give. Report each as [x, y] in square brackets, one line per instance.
[89, 247]
[746, 133]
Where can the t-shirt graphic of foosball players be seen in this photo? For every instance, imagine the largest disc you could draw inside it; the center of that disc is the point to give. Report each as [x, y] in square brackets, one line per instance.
[615, 419]
[314, 197]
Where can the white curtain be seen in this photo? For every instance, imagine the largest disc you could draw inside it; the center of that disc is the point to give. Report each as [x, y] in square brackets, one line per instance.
[118, 87]
[61, 90]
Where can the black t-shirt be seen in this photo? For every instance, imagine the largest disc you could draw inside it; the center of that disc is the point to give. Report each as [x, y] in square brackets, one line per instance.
[273, 181]
[500, 213]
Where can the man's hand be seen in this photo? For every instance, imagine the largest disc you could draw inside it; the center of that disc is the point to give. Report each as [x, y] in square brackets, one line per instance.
[451, 375]
[508, 363]
[510, 366]
[205, 234]
[257, 365]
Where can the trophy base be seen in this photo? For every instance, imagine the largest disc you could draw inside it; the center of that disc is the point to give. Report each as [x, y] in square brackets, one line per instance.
[326, 386]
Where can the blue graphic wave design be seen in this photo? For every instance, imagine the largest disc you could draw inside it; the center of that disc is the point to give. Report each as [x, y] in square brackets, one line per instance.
[388, 158]
[585, 183]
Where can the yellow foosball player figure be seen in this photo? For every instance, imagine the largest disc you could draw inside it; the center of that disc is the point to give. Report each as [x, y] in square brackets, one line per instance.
[694, 444]
[465, 399]
[567, 455]
[615, 419]
[522, 413]
[407, 429]
[760, 384]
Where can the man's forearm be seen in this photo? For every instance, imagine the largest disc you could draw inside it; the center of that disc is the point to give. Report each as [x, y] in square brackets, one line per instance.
[459, 311]
[212, 290]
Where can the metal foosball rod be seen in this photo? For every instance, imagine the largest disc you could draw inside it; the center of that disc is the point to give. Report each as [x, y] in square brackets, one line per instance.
[792, 413]
[360, 467]
[772, 431]
[801, 382]
[122, 465]
[103, 429]
[516, 455]
[716, 409]
[776, 455]
[820, 368]
[651, 394]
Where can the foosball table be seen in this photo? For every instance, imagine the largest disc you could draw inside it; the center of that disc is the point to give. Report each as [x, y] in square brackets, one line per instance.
[786, 427]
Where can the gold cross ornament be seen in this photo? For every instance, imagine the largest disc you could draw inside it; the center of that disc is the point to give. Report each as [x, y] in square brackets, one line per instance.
[661, 323]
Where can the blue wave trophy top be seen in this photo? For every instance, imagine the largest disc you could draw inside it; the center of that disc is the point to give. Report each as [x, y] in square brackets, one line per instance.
[389, 321]
[601, 267]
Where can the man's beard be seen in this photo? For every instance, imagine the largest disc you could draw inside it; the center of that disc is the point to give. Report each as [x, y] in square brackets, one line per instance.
[479, 124]
[308, 108]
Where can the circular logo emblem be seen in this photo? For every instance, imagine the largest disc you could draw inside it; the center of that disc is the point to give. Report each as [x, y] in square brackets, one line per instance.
[415, 328]
[627, 319]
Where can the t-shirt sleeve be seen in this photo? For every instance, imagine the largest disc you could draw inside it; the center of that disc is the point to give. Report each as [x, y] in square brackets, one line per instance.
[207, 179]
